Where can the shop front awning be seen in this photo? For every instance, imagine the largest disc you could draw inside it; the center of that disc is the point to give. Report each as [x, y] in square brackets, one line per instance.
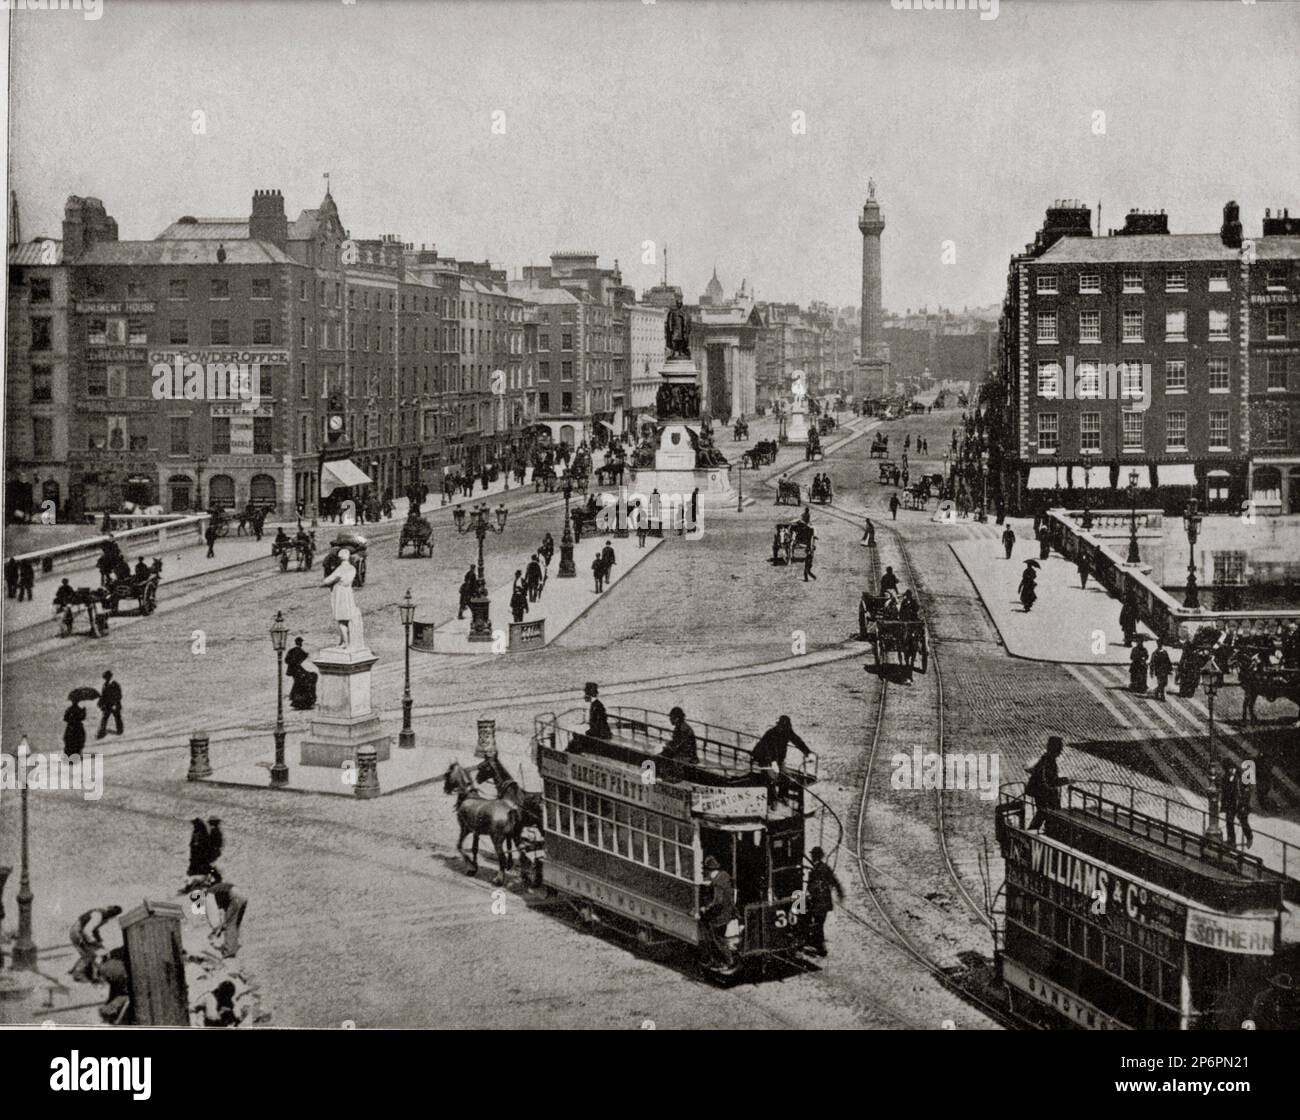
[1042, 478]
[1177, 474]
[341, 472]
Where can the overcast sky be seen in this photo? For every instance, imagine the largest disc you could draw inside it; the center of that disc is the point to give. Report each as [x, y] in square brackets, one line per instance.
[628, 122]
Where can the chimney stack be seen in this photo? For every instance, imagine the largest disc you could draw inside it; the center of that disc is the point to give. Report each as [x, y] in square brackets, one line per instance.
[267, 222]
[1230, 231]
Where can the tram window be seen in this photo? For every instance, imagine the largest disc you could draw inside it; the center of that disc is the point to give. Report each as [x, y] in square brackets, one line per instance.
[687, 857]
[566, 817]
[620, 819]
[652, 848]
[638, 842]
[1114, 957]
[1076, 941]
[1132, 965]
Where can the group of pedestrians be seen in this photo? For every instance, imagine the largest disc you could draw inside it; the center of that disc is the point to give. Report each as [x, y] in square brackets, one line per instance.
[109, 702]
[20, 578]
[602, 565]
[529, 580]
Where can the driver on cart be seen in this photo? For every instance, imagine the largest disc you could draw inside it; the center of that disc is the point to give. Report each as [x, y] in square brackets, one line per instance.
[281, 540]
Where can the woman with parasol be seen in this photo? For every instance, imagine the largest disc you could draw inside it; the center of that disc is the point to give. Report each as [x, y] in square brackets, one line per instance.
[1029, 585]
[74, 719]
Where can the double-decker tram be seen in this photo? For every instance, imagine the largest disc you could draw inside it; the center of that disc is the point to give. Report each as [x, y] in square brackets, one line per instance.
[1128, 911]
[628, 834]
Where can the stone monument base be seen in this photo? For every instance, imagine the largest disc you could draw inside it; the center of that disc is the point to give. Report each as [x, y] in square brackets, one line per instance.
[343, 720]
[796, 431]
[713, 483]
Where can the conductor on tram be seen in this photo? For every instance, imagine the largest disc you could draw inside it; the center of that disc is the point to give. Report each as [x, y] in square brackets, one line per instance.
[681, 746]
[597, 720]
[769, 756]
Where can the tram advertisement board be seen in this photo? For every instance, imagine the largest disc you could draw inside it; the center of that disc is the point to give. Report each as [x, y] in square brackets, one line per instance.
[1248, 934]
[735, 801]
[615, 779]
[1095, 890]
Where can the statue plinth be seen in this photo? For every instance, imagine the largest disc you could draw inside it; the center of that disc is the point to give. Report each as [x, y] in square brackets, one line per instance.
[796, 431]
[343, 720]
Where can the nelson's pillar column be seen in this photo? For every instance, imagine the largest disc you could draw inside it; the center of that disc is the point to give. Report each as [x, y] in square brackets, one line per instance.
[873, 361]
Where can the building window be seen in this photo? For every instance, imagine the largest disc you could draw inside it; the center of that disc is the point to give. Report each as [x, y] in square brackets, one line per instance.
[1047, 326]
[1277, 322]
[544, 370]
[1218, 279]
[1088, 381]
[1130, 381]
[1049, 431]
[220, 332]
[1047, 284]
[544, 402]
[1049, 379]
[1089, 283]
[262, 435]
[1276, 280]
[1229, 567]
[1216, 370]
[137, 332]
[566, 402]
[42, 437]
[1175, 326]
[42, 335]
[1276, 427]
[1176, 280]
[302, 289]
[135, 290]
[41, 289]
[1219, 430]
[42, 384]
[1089, 326]
[1218, 326]
[178, 332]
[1090, 432]
[221, 435]
[1176, 376]
[1277, 372]
[302, 332]
[566, 371]
[220, 289]
[178, 289]
[96, 381]
[1132, 430]
[1132, 280]
[261, 332]
[1133, 326]
[178, 434]
[1175, 431]
[566, 341]
[97, 332]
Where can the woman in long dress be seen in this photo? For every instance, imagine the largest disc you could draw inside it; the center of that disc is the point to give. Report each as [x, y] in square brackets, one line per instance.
[74, 734]
[341, 600]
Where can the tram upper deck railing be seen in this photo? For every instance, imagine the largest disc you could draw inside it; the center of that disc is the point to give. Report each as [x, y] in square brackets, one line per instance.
[1173, 825]
[720, 750]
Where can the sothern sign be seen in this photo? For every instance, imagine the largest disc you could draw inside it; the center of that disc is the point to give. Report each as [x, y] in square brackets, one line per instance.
[1249, 935]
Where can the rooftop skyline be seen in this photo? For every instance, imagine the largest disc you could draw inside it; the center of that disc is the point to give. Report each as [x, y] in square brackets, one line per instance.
[618, 125]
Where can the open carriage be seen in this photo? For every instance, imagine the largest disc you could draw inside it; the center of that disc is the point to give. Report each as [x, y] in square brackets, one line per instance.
[739, 431]
[825, 424]
[788, 493]
[821, 491]
[762, 454]
[889, 473]
[143, 589]
[814, 448]
[301, 549]
[880, 446]
[793, 539]
[888, 634]
[916, 496]
[417, 534]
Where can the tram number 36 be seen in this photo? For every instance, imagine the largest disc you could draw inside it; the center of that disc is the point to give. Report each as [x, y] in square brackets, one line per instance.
[781, 919]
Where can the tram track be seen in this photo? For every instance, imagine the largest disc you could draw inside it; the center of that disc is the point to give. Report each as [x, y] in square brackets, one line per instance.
[885, 924]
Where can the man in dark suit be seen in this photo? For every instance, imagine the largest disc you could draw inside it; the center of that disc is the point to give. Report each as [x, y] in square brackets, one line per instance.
[769, 756]
[720, 909]
[597, 720]
[821, 883]
[682, 745]
[110, 703]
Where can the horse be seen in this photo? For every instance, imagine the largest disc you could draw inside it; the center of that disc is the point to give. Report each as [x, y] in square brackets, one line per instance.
[528, 804]
[477, 814]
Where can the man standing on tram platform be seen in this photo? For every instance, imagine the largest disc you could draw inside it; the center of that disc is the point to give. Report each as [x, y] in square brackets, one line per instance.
[681, 748]
[1045, 782]
[821, 882]
[769, 756]
[597, 720]
[720, 909]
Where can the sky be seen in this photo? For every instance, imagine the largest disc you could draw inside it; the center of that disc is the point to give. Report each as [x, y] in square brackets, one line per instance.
[623, 122]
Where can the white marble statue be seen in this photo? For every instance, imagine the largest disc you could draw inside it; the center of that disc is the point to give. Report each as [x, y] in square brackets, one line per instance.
[346, 614]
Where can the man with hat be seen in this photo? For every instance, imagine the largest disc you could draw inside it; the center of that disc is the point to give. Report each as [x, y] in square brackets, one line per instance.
[110, 704]
[1045, 781]
[769, 756]
[821, 882]
[682, 744]
[721, 907]
[597, 721]
[1137, 666]
[1234, 802]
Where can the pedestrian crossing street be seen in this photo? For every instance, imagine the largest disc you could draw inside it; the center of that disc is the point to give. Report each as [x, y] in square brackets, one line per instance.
[1154, 722]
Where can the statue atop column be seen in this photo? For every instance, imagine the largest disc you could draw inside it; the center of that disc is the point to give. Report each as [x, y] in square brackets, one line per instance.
[677, 332]
[347, 616]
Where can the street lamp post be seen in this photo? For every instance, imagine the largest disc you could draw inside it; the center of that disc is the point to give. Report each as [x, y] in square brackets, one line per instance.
[406, 737]
[1086, 524]
[1192, 523]
[1134, 557]
[279, 635]
[984, 473]
[740, 488]
[479, 522]
[1212, 679]
[568, 569]
[24, 950]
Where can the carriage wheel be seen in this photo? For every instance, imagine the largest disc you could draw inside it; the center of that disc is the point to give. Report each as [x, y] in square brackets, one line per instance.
[876, 651]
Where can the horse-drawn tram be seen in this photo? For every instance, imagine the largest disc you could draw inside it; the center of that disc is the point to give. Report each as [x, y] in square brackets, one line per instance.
[629, 833]
[1126, 912]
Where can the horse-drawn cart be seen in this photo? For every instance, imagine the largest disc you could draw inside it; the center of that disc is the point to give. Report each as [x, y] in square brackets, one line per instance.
[788, 493]
[762, 454]
[821, 490]
[792, 541]
[880, 446]
[417, 533]
[143, 589]
[880, 625]
[888, 471]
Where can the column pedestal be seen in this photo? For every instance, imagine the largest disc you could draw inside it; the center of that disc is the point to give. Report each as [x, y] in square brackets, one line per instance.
[343, 720]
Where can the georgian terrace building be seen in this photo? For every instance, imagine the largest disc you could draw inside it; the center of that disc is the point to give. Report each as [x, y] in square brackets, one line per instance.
[1137, 352]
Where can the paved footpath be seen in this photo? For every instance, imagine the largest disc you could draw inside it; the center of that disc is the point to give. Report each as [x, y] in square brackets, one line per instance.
[1068, 625]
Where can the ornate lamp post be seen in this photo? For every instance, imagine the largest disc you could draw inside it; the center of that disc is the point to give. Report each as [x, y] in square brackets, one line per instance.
[1212, 679]
[24, 950]
[279, 635]
[1192, 519]
[740, 489]
[479, 522]
[406, 737]
[1086, 523]
[984, 474]
[1134, 557]
[567, 568]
